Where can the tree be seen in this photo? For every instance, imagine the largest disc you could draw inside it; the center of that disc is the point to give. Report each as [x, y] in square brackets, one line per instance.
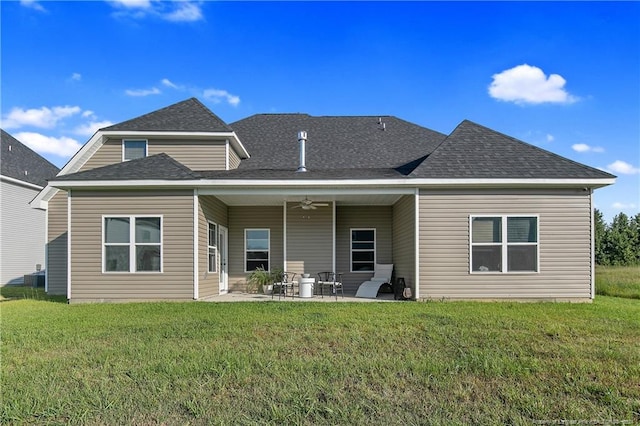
[619, 243]
[601, 254]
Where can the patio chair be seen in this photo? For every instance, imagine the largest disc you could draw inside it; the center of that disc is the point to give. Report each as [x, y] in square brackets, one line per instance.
[332, 280]
[369, 289]
[284, 284]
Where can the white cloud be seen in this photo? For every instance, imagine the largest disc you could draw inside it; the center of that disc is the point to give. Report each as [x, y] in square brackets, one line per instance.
[169, 83]
[143, 92]
[88, 129]
[33, 4]
[173, 11]
[526, 84]
[76, 76]
[622, 167]
[132, 4]
[43, 117]
[583, 147]
[550, 138]
[218, 95]
[88, 113]
[623, 206]
[185, 12]
[42, 144]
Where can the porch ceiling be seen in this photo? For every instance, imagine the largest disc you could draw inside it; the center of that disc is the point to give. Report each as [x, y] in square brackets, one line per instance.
[279, 199]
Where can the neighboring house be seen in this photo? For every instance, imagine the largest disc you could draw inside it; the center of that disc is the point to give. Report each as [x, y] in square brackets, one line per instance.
[176, 204]
[23, 174]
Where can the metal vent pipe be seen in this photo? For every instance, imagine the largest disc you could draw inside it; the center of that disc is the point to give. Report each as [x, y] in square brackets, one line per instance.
[302, 139]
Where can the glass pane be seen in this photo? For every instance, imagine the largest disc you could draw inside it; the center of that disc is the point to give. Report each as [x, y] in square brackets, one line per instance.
[486, 258]
[212, 234]
[148, 230]
[362, 256]
[148, 258]
[522, 229]
[360, 246]
[486, 229]
[522, 258]
[257, 255]
[213, 264]
[254, 264]
[257, 239]
[360, 266]
[116, 258]
[363, 235]
[134, 149]
[116, 230]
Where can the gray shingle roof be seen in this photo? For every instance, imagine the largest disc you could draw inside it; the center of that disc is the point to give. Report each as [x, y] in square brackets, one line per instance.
[474, 151]
[291, 174]
[155, 167]
[333, 142]
[186, 116]
[20, 159]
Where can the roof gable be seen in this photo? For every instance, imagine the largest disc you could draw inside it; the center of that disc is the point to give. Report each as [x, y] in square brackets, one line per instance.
[477, 152]
[22, 163]
[186, 116]
[349, 142]
[155, 167]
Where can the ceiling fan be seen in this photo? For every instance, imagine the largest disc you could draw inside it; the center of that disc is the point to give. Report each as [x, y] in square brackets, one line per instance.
[307, 204]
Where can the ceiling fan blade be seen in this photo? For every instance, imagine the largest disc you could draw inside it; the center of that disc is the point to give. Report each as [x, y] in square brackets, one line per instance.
[297, 207]
[321, 204]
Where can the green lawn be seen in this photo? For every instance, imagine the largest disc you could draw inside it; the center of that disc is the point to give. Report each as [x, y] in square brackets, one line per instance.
[320, 363]
[619, 281]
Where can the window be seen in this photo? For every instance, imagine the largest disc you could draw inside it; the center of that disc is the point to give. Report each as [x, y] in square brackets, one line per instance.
[132, 244]
[133, 149]
[491, 251]
[256, 247]
[363, 250]
[213, 247]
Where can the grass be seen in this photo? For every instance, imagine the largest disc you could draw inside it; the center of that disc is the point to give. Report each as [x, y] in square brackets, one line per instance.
[619, 281]
[320, 363]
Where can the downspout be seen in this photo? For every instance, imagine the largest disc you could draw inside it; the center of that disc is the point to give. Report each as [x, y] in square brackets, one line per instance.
[69, 246]
[196, 294]
[284, 235]
[593, 248]
[416, 238]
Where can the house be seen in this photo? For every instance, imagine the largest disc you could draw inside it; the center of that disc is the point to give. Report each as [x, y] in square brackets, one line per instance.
[23, 174]
[177, 204]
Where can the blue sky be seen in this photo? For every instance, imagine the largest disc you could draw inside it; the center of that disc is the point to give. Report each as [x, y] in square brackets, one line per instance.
[562, 76]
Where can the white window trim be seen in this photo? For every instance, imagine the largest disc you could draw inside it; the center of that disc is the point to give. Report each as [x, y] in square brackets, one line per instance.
[132, 243]
[268, 249]
[504, 244]
[375, 250]
[214, 247]
[146, 146]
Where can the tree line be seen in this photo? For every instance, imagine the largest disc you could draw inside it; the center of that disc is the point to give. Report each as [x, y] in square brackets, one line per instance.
[617, 243]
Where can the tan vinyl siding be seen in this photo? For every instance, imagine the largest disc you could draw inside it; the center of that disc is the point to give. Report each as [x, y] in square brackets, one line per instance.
[309, 239]
[57, 244]
[22, 233]
[252, 217]
[404, 239]
[565, 244]
[88, 280]
[197, 155]
[348, 217]
[210, 209]
[109, 153]
[234, 159]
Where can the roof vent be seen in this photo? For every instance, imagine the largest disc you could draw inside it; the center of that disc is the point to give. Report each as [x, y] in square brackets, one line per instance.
[381, 124]
[302, 139]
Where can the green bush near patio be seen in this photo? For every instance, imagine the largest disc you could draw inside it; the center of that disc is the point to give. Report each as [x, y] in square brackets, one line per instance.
[320, 363]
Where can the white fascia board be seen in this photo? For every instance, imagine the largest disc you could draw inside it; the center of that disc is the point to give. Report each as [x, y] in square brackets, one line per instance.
[41, 201]
[20, 182]
[218, 186]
